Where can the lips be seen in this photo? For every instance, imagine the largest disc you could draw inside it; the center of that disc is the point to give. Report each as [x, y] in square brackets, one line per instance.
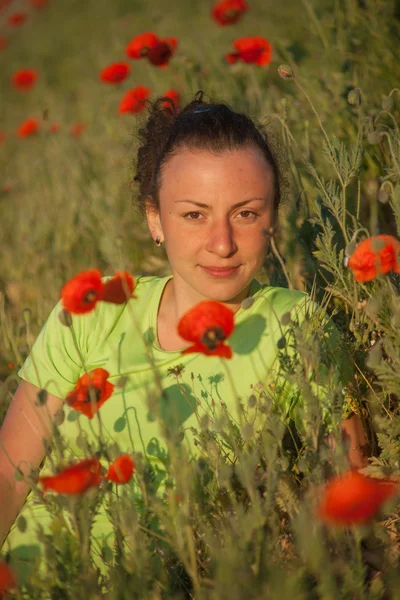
[220, 269]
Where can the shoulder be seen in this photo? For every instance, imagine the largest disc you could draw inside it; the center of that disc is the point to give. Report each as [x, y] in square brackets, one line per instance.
[277, 299]
[145, 286]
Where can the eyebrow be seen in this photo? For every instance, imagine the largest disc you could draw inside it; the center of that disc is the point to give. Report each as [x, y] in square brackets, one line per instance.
[207, 206]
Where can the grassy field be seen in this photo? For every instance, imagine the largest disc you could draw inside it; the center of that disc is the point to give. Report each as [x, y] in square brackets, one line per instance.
[67, 205]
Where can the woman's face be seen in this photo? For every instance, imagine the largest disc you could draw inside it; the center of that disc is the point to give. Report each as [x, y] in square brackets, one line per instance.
[215, 211]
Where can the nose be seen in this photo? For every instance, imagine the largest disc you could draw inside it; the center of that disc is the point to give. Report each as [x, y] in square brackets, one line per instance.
[221, 239]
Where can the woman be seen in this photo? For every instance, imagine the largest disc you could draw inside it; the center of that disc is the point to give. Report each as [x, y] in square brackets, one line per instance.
[210, 189]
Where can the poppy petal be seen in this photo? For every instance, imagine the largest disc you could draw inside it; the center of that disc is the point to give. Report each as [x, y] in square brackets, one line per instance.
[24, 79]
[28, 128]
[221, 350]
[121, 469]
[90, 392]
[134, 100]
[139, 46]
[374, 256]
[353, 498]
[81, 293]
[115, 73]
[75, 479]
[114, 290]
[206, 314]
[8, 579]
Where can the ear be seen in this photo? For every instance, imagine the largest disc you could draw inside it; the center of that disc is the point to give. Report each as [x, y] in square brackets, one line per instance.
[153, 219]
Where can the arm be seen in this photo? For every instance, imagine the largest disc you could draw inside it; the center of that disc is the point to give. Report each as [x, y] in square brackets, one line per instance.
[21, 442]
[354, 435]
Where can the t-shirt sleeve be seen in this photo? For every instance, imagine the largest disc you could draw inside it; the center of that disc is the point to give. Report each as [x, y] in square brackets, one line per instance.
[55, 360]
[314, 368]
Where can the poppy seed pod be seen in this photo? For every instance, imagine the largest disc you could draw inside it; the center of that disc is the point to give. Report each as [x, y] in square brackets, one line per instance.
[374, 137]
[354, 97]
[387, 102]
[286, 72]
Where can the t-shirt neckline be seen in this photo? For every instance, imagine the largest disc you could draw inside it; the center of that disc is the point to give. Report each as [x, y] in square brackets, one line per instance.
[254, 287]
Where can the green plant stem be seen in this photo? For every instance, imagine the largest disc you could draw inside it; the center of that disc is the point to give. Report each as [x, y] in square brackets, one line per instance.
[278, 256]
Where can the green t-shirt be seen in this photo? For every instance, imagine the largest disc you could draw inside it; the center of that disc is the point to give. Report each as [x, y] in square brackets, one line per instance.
[112, 337]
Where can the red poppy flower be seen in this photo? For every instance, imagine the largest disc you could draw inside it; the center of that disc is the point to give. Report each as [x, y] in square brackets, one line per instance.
[24, 79]
[354, 498]
[90, 392]
[8, 580]
[3, 42]
[2, 137]
[134, 101]
[174, 96]
[376, 255]
[81, 293]
[28, 127]
[54, 127]
[256, 50]
[227, 12]
[208, 325]
[75, 479]
[121, 469]
[115, 73]
[17, 19]
[160, 54]
[77, 129]
[114, 290]
[141, 44]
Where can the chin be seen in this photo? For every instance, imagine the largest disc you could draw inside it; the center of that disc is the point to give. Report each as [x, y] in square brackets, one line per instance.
[222, 290]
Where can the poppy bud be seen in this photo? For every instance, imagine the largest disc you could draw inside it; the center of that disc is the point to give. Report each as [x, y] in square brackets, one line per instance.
[247, 302]
[281, 343]
[373, 306]
[354, 97]
[59, 417]
[387, 102]
[286, 318]
[65, 318]
[22, 524]
[122, 381]
[26, 315]
[286, 72]
[349, 249]
[41, 398]
[374, 356]
[395, 321]
[252, 401]
[374, 137]
[247, 431]
[383, 196]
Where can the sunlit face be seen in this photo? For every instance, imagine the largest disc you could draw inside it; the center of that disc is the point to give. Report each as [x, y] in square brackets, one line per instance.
[215, 211]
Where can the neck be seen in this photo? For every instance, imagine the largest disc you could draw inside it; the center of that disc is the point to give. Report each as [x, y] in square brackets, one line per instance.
[179, 298]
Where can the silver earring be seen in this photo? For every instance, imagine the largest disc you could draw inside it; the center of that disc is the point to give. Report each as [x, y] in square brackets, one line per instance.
[158, 241]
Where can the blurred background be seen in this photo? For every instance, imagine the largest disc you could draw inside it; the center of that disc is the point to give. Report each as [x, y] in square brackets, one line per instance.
[66, 192]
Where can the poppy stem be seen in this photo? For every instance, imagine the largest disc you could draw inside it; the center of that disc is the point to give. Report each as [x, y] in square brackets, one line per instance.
[146, 346]
[232, 383]
[278, 256]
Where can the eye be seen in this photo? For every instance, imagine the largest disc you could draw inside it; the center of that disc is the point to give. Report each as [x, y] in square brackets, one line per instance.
[250, 214]
[192, 216]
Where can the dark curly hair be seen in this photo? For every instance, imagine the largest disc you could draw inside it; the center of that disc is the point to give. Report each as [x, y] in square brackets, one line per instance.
[201, 125]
